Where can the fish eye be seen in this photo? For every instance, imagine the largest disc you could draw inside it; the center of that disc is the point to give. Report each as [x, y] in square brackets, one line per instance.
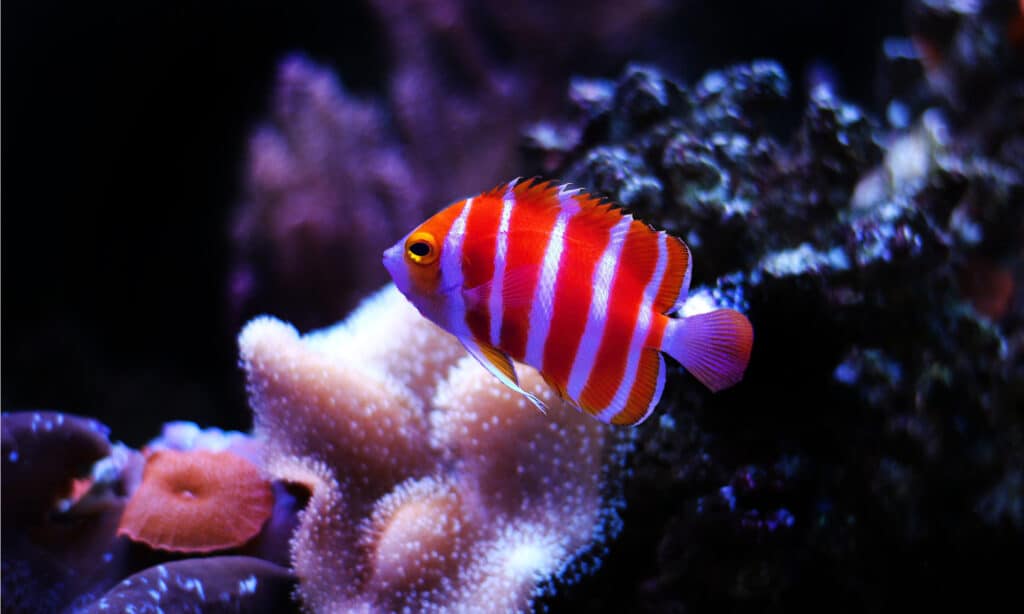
[421, 248]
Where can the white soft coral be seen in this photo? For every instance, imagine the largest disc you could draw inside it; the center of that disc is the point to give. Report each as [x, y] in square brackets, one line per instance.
[434, 487]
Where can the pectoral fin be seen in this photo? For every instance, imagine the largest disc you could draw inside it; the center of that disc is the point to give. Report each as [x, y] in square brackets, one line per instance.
[516, 290]
[500, 366]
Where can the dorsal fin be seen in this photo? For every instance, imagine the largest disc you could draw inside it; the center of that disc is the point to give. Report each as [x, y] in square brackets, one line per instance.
[536, 190]
[530, 192]
[499, 190]
[544, 194]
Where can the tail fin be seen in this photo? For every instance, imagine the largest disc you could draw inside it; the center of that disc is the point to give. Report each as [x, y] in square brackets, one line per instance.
[714, 346]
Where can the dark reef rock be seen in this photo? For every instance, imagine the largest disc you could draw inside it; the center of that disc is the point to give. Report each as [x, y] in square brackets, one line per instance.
[872, 455]
[42, 452]
[65, 487]
[55, 546]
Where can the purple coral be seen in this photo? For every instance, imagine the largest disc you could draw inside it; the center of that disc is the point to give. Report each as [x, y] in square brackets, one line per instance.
[327, 188]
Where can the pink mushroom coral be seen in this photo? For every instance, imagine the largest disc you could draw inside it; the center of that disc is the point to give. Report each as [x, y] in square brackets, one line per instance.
[197, 501]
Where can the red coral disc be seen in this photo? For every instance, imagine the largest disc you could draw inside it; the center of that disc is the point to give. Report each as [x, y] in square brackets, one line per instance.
[197, 501]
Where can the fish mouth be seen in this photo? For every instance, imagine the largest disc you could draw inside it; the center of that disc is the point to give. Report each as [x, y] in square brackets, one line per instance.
[394, 263]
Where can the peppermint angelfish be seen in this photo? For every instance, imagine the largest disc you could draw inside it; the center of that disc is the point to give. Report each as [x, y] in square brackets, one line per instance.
[573, 286]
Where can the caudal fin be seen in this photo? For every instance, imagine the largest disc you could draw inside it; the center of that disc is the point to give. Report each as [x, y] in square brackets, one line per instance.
[714, 346]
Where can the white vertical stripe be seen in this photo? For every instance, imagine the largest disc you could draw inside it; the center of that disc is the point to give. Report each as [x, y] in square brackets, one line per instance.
[543, 305]
[636, 344]
[451, 271]
[597, 316]
[496, 302]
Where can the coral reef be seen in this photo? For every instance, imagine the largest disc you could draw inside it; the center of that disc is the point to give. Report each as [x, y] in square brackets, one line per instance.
[69, 494]
[405, 477]
[872, 458]
[879, 426]
[433, 486]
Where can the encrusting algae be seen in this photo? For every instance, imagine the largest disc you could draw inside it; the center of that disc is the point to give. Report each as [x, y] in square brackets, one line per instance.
[433, 486]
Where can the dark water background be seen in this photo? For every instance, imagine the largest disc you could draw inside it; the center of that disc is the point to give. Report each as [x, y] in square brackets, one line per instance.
[124, 134]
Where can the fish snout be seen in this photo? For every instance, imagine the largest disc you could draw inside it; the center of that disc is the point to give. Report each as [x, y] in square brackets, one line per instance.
[392, 257]
[394, 262]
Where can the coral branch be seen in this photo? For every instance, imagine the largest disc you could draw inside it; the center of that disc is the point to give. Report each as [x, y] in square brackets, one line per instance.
[434, 487]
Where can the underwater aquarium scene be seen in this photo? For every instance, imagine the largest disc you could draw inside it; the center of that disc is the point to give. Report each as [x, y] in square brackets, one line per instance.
[473, 306]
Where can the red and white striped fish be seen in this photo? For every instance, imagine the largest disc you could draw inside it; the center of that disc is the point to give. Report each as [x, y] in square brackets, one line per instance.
[573, 286]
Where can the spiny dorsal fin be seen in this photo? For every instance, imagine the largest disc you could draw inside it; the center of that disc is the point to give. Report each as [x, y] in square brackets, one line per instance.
[532, 191]
[537, 192]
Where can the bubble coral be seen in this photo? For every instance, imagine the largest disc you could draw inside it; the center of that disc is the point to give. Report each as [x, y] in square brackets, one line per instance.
[197, 501]
[433, 486]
